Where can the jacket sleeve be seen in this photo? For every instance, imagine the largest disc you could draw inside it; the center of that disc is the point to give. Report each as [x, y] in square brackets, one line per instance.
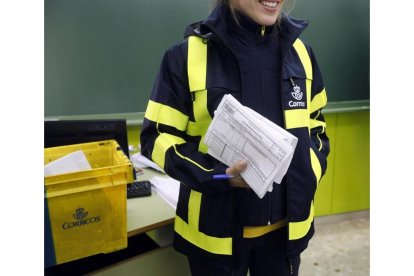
[319, 139]
[163, 134]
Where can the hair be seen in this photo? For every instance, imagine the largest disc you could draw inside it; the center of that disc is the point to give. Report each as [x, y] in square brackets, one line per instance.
[287, 7]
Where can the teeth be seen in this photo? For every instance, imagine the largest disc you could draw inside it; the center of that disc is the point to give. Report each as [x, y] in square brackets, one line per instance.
[269, 4]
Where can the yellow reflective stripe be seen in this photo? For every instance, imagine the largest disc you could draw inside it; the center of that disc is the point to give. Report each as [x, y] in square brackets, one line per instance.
[316, 166]
[163, 142]
[166, 115]
[296, 118]
[316, 123]
[194, 204]
[202, 147]
[197, 63]
[304, 58]
[257, 231]
[319, 138]
[191, 233]
[197, 74]
[196, 128]
[211, 244]
[192, 161]
[200, 107]
[202, 117]
[319, 101]
[298, 230]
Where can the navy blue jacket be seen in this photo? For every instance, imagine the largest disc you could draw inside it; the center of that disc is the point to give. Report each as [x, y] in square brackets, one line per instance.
[210, 215]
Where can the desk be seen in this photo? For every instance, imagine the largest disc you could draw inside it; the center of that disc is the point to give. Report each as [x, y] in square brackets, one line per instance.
[151, 215]
[148, 213]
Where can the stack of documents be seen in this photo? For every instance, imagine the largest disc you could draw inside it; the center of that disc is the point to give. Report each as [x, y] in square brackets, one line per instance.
[239, 133]
[167, 188]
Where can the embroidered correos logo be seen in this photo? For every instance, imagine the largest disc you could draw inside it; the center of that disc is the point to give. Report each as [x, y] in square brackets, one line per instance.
[297, 94]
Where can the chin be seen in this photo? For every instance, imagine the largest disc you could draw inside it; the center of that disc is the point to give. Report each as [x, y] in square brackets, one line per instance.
[268, 22]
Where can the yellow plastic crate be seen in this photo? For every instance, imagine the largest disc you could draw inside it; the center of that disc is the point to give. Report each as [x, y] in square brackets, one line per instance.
[85, 211]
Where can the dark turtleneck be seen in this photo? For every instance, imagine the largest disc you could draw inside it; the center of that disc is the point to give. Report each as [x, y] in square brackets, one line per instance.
[259, 59]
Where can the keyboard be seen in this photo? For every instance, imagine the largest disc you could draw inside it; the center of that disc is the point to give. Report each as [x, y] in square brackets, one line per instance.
[139, 189]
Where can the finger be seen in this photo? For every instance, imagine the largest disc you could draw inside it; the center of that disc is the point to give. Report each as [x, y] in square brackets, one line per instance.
[237, 168]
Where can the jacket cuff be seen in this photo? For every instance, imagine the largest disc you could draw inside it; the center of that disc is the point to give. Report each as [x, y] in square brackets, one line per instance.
[219, 185]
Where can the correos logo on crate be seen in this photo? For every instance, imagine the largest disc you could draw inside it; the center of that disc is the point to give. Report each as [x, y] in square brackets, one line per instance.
[81, 220]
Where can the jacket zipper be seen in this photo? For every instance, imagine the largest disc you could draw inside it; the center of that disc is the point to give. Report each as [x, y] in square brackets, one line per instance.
[286, 176]
[262, 30]
[269, 200]
[291, 82]
[290, 266]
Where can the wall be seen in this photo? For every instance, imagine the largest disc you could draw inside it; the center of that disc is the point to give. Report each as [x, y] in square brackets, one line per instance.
[101, 56]
[346, 184]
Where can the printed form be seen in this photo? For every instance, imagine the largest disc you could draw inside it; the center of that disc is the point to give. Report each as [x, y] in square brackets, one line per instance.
[238, 132]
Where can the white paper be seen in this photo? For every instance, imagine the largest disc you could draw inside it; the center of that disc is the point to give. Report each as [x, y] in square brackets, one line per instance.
[167, 188]
[73, 162]
[239, 133]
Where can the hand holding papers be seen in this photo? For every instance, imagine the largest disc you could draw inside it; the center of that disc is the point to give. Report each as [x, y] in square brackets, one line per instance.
[239, 133]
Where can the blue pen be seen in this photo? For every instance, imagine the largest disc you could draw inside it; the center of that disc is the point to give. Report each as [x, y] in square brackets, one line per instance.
[224, 176]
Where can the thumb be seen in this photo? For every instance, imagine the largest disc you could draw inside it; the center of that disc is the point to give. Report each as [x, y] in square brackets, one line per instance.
[237, 168]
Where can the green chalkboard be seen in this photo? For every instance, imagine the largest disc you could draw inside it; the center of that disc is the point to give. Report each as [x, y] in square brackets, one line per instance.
[101, 56]
[339, 35]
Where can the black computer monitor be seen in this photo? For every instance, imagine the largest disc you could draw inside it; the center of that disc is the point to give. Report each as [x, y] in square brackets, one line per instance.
[68, 132]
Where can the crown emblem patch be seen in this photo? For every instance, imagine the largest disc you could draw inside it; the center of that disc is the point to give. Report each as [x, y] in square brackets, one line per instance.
[297, 94]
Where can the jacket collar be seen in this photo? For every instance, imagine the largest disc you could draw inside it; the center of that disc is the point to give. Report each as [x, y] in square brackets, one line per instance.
[215, 27]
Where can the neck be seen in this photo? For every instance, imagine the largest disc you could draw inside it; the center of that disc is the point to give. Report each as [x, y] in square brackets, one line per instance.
[241, 22]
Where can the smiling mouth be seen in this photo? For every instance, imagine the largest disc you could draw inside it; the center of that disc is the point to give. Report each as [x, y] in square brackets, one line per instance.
[269, 4]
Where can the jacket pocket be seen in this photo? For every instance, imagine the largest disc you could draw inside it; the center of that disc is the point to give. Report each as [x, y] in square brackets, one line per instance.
[216, 214]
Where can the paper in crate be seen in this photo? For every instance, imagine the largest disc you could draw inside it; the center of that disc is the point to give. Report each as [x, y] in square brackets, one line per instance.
[85, 211]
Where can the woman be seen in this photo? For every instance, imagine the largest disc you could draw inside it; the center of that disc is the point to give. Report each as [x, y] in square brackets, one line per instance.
[251, 50]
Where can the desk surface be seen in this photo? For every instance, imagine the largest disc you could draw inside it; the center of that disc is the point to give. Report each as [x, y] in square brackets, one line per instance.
[148, 213]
